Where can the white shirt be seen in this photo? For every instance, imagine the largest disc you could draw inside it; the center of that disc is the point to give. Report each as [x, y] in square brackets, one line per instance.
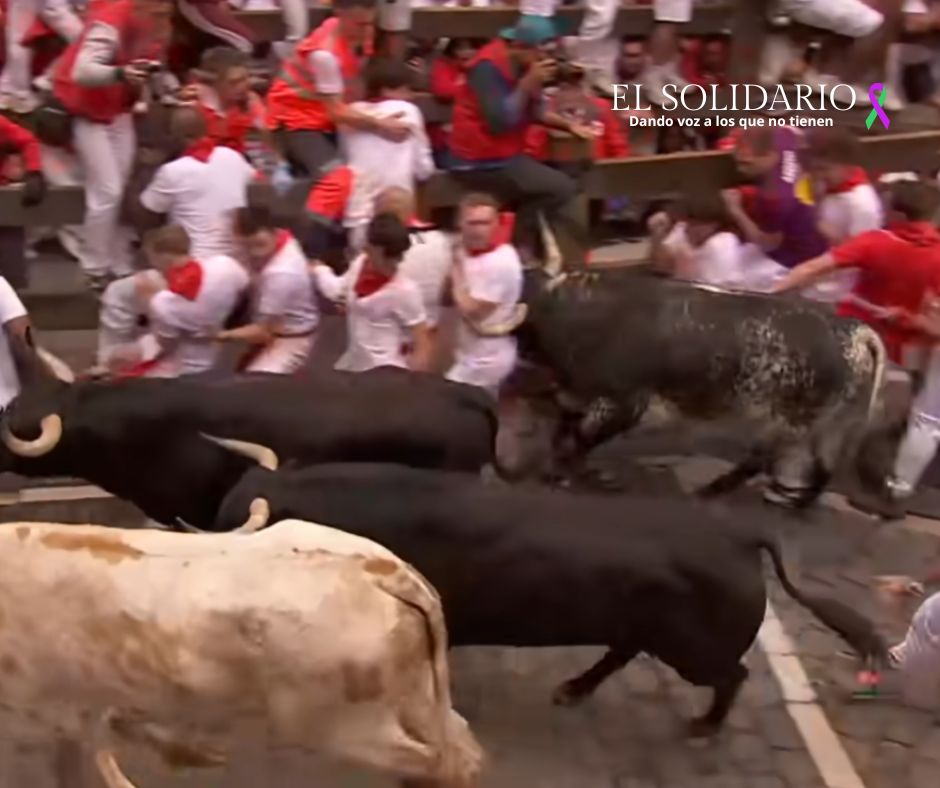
[378, 324]
[496, 277]
[202, 197]
[847, 214]
[427, 263]
[389, 163]
[190, 325]
[283, 291]
[716, 262]
[10, 308]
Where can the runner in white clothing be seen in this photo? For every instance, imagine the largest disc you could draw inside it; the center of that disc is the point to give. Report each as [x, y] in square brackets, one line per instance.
[384, 310]
[202, 189]
[389, 163]
[487, 285]
[15, 331]
[284, 312]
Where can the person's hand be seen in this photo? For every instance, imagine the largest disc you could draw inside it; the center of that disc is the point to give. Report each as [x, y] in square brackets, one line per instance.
[34, 188]
[393, 128]
[188, 94]
[541, 71]
[733, 199]
[582, 131]
[136, 73]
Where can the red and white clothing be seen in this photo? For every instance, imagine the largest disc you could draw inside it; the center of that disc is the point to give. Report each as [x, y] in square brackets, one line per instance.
[494, 276]
[427, 263]
[230, 126]
[323, 64]
[14, 139]
[380, 311]
[201, 191]
[609, 141]
[283, 291]
[851, 208]
[87, 83]
[717, 262]
[389, 163]
[185, 317]
[10, 308]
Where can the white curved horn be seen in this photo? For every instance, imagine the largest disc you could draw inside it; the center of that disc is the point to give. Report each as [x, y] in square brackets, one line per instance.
[259, 514]
[48, 439]
[262, 455]
[187, 528]
[56, 365]
[520, 311]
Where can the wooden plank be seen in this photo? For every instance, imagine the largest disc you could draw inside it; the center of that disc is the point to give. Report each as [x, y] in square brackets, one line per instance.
[430, 24]
[63, 205]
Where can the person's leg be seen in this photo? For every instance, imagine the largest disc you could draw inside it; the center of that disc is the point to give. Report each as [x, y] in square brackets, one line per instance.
[60, 16]
[311, 154]
[216, 18]
[597, 46]
[15, 91]
[664, 46]
[394, 23]
[103, 191]
[541, 189]
[296, 20]
[124, 142]
[920, 442]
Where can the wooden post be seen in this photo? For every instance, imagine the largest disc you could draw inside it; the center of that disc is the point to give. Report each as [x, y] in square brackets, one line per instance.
[749, 25]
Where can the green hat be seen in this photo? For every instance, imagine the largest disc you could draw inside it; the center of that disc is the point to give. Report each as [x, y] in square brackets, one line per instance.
[531, 30]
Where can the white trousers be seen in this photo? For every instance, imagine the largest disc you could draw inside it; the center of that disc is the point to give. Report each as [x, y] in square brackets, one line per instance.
[283, 356]
[119, 316]
[918, 656]
[920, 442]
[107, 155]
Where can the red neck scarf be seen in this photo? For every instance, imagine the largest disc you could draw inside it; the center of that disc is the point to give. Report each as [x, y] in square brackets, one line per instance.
[501, 235]
[185, 279]
[370, 280]
[916, 233]
[856, 177]
[200, 150]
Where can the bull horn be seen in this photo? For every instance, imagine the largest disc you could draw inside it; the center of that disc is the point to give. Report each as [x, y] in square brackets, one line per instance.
[56, 365]
[48, 439]
[262, 455]
[520, 311]
[259, 514]
[553, 260]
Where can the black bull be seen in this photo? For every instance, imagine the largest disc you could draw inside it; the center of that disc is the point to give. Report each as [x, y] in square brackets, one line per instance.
[140, 439]
[611, 344]
[518, 567]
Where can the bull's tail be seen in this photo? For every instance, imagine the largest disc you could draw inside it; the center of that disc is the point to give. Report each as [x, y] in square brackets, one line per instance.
[876, 347]
[461, 757]
[854, 628]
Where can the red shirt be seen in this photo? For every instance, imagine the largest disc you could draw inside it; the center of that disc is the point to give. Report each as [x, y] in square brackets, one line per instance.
[897, 267]
[16, 139]
[447, 76]
[609, 143]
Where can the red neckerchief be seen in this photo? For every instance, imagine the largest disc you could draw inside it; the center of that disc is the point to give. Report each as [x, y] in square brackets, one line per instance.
[370, 280]
[200, 150]
[502, 234]
[185, 279]
[856, 177]
[916, 233]
[414, 223]
[283, 238]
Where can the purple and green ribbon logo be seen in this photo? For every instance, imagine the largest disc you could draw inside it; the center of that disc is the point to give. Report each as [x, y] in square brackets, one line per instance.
[877, 93]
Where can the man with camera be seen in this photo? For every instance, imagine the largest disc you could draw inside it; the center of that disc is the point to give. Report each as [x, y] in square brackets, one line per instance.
[98, 81]
[493, 111]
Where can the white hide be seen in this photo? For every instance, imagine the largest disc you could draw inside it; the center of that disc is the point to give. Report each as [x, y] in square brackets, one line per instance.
[299, 634]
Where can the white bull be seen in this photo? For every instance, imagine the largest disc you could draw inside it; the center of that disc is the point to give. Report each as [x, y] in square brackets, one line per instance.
[302, 634]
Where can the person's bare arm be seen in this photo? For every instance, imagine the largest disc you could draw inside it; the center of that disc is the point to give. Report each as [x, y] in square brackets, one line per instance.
[747, 226]
[422, 354]
[261, 333]
[806, 273]
[471, 308]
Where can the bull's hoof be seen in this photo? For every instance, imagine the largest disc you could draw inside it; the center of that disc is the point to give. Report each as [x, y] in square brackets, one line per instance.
[567, 695]
[702, 728]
